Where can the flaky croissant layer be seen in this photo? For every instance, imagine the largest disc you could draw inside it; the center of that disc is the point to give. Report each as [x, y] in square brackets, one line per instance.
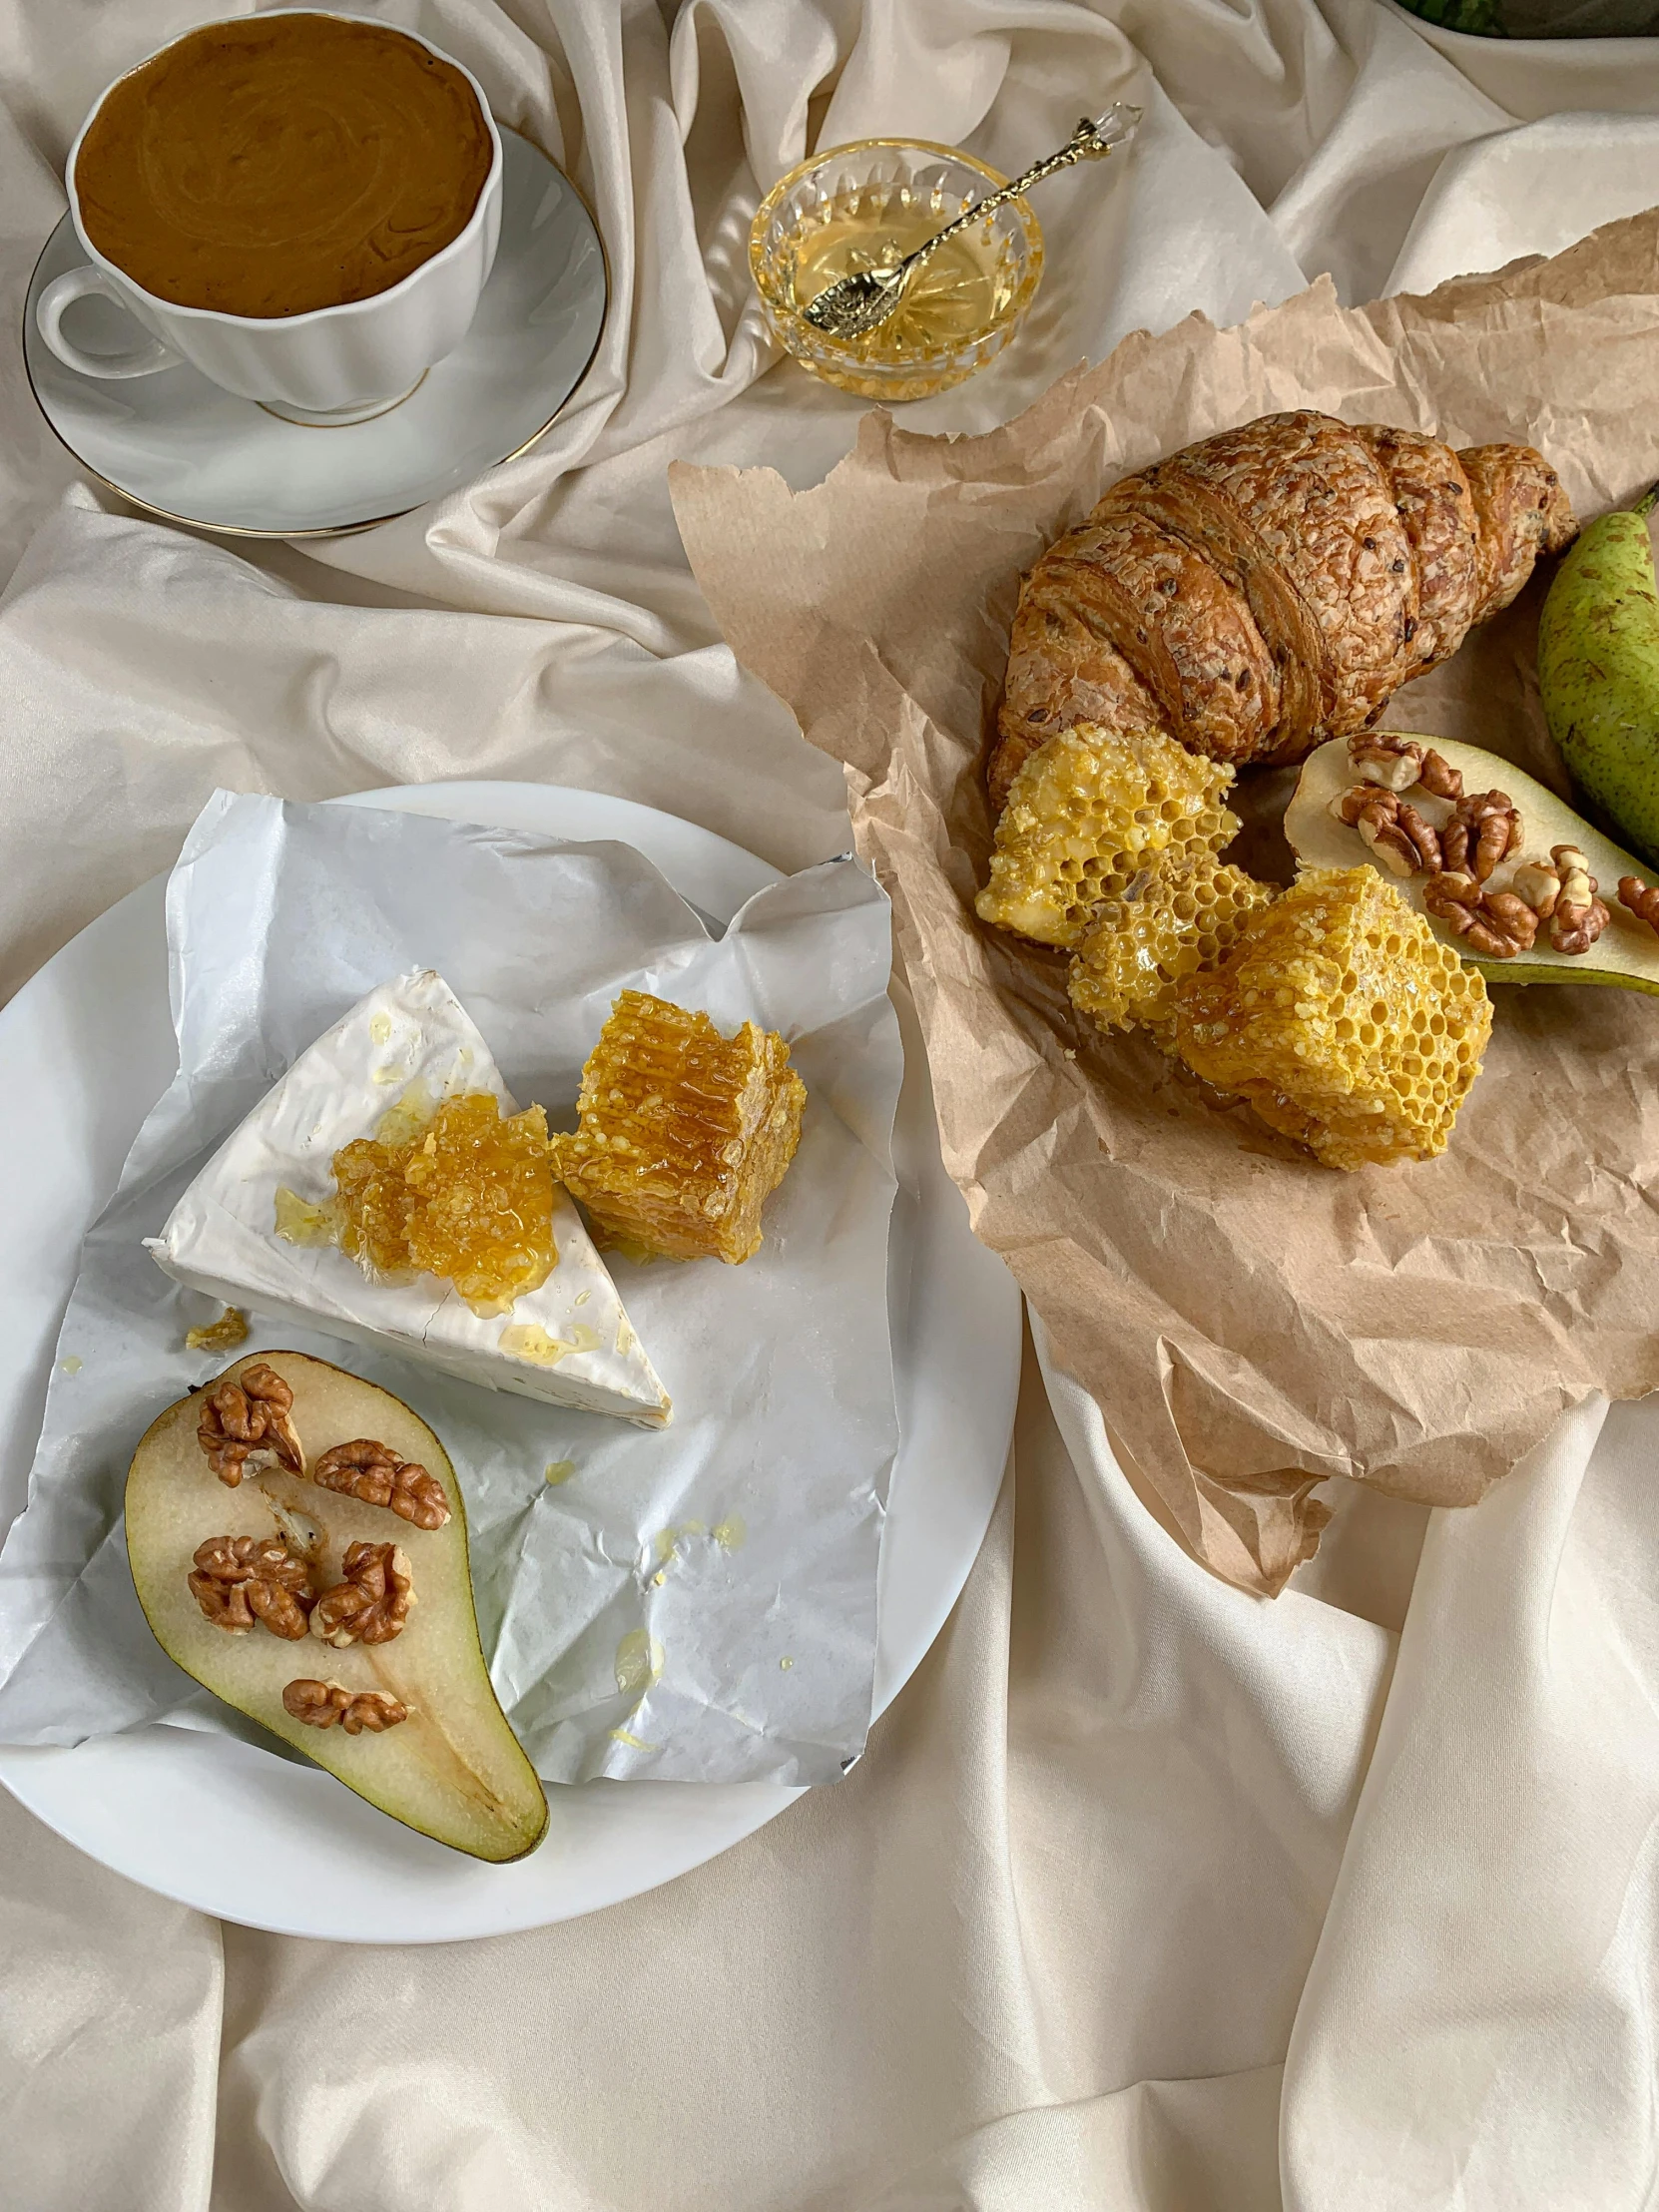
[1270, 587]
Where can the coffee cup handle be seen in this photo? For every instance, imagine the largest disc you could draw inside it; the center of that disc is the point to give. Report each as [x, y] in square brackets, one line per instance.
[60, 294]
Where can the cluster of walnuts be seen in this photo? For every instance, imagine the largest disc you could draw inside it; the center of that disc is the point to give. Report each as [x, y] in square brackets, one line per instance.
[242, 1583]
[1460, 852]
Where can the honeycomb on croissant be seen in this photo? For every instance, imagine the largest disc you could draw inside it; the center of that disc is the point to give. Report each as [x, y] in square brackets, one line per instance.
[1343, 1019]
[1172, 919]
[682, 1134]
[1085, 814]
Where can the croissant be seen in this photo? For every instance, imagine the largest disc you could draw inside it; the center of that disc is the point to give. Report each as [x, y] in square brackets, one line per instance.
[1270, 587]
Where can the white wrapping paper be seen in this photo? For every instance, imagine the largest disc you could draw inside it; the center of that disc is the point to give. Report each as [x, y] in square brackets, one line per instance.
[696, 1604]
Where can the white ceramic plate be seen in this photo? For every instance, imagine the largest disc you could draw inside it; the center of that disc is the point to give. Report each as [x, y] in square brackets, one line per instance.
[85, 1049]
[178, 446]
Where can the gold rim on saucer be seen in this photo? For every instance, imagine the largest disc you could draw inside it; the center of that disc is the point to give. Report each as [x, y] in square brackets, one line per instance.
[370, 522]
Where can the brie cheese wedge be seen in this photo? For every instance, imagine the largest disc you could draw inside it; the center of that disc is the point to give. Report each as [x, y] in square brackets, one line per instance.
[568, 1343]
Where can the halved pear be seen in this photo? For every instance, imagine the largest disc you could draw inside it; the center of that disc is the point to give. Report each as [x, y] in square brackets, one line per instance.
[1626, 953]
[454, 1769]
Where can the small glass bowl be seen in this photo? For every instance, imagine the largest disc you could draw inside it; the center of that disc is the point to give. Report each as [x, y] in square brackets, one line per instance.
[917, 187]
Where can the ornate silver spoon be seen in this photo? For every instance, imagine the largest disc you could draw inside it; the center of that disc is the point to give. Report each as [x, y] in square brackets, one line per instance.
[855, 306]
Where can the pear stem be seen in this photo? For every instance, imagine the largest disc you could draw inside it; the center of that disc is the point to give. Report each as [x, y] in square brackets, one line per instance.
[1645, 504]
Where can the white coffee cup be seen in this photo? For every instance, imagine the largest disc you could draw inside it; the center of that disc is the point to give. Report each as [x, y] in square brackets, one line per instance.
[333, 364]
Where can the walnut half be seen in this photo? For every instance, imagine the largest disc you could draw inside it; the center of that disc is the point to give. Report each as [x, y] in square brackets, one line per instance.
[1387, 761]
[1394, 764]
[1580, 916]
[1539, 884]
[1497, 924]
[249, 1419]
[375, 1474]
[373, 1603]
[1483, 829]
[1641, 898]
[328, 1704]
[239, 1580]
[1390, 828]
[1439, 777]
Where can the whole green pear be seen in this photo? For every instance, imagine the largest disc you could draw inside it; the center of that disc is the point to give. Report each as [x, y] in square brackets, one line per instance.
[1598, 670]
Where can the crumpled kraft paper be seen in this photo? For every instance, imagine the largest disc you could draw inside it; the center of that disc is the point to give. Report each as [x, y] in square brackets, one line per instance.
[1249, 1323]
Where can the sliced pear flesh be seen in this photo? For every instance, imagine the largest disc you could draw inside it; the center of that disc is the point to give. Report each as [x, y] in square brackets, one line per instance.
[453, 1768]
[1627, 952]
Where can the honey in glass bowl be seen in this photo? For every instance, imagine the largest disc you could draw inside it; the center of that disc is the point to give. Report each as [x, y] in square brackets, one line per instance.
[866, 205]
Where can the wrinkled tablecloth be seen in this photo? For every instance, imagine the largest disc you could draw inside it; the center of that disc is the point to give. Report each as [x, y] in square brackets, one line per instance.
[1147, 1895]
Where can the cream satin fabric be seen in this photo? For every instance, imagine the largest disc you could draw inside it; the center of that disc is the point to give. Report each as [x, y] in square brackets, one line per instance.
[1146, 1895]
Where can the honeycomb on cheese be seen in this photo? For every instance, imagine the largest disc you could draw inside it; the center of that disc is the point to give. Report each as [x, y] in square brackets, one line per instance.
[1171, 919]
[1086, 812]
[1343, 1019]
[682, 1134]
[456, 1189]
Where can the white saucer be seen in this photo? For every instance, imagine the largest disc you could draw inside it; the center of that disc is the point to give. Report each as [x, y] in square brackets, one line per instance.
[180, 449]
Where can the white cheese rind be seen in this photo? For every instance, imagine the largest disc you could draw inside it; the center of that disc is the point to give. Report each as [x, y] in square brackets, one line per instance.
[221, 1237]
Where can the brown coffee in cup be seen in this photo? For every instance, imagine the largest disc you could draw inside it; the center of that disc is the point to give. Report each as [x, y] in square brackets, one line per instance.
[283, 162]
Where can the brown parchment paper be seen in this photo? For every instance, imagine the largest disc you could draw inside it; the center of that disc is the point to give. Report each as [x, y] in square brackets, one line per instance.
[1250, 1323]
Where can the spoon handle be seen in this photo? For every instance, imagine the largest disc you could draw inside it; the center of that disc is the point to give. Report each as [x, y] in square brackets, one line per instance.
[1089, 142]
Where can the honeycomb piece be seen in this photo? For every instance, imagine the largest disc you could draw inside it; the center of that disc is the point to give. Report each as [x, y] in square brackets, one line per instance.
[1343, 1019]
[1085, 814]
[223, 1334]
[1172, 919]
[682, 1134]
[464, 1193]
